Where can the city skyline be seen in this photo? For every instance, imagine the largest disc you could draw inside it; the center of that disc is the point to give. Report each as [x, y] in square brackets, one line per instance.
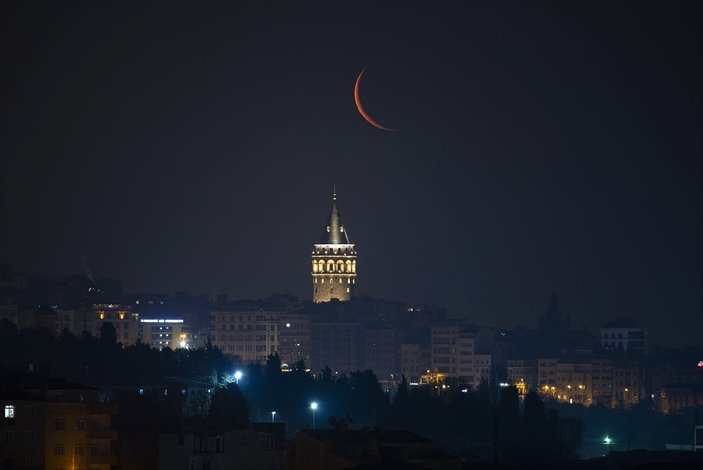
[198, 151]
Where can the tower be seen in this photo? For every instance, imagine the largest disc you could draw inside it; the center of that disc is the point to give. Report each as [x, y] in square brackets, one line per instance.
[333, 261]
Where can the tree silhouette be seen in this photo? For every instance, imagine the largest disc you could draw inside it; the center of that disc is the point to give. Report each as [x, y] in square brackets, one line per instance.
[108, 334]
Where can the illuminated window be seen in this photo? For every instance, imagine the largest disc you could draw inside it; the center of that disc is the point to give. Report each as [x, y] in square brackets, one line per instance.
[347, 290]
[9, 411]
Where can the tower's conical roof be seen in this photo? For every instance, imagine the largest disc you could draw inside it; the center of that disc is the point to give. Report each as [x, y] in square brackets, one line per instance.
[335, 232]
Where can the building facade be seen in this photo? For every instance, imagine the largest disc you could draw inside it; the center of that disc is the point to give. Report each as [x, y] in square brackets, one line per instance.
[248, 330]
[244, 449]
[624, 337]
[54, 424]
[162, 333]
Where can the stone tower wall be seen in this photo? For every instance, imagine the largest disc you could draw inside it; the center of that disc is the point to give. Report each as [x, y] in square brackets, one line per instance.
[333, 276]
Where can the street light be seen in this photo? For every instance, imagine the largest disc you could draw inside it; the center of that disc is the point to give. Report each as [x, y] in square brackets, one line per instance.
[237, 375]
[609, 442]
[273, 416]
[313, 407]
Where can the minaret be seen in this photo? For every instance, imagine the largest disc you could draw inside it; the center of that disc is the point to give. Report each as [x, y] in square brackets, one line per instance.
[333, 261]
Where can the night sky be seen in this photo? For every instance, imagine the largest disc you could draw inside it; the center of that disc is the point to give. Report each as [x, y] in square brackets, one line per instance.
[541, 146]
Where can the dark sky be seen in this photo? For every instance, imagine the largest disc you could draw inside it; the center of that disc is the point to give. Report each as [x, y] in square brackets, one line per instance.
[192, 146]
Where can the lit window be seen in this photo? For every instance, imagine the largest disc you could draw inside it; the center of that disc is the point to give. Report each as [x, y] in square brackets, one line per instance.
[9, 411]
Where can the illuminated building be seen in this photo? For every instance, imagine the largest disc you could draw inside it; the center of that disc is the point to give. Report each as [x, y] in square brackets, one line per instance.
[122, 318]
[333, 261]
[453, 350]
[574, 382]
[602, 370]
[547, 374]
[165, 333]
[22, 429]
[522, 373]
[248, 329]
[91, 320]
[294, 338]
[628, 382]
[415, 360]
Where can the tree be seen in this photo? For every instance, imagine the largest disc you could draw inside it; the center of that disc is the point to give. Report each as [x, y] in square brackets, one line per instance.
[273, 365]
[508, 421]
[570, 435]
[229, 408]
[108, 334]
[534, 433]
[533, 411]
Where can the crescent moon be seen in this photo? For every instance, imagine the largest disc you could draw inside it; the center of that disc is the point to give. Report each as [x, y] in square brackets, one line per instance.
[360, 108]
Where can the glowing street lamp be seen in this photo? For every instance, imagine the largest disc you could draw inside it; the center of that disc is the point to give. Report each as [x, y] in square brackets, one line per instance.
[273, 416]
[237, 375]
[313, 407]
[609, 442]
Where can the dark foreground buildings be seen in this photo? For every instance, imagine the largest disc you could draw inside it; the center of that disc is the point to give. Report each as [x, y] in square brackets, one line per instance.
[54, 424]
